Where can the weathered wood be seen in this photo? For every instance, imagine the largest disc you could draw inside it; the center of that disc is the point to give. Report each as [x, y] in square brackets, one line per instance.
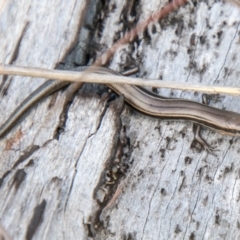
[53, 183]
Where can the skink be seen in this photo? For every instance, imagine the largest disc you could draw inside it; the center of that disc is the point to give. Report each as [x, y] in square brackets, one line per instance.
[144, 101]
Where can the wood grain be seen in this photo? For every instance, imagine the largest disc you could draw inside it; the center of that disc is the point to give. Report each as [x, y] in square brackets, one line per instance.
[57, 183]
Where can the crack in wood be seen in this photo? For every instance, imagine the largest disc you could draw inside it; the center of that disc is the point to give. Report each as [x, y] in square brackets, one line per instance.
[36, 220]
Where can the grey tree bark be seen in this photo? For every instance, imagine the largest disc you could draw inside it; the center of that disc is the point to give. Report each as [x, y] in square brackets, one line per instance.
[108, 172]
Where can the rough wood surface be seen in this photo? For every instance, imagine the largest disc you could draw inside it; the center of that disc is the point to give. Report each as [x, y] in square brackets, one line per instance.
[53, 182]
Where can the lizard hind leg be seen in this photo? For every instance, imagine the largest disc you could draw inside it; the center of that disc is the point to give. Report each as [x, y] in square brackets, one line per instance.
[197, 135]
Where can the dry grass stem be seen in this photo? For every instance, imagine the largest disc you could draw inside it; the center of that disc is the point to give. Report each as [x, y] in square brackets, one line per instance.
[112, 79]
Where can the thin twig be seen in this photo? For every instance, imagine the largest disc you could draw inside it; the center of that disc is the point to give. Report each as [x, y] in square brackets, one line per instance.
[132, 34]
[74, 76]
[115, 196]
